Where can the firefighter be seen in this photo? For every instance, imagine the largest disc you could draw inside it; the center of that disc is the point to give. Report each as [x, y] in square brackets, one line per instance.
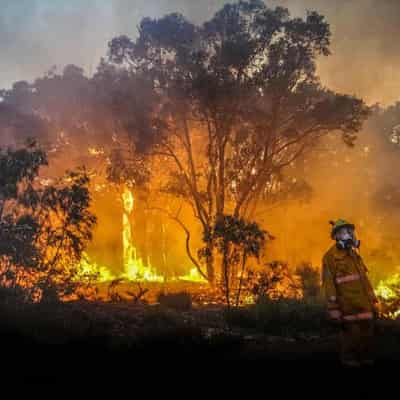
[350, 298]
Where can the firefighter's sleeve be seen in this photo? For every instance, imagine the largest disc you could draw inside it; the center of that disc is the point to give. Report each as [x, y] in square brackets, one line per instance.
[329, 288]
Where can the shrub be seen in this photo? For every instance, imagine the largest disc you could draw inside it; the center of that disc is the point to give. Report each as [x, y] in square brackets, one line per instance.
[284, 317]
[310, 280]
[181, 301]
[275, 281]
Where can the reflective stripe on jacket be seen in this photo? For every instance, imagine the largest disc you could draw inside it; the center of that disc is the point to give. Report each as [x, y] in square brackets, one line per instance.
[346, 285]
[358, 317]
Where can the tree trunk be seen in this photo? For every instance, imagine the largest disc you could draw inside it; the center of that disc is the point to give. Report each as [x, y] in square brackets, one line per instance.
[210, 264]
[226, 276]
[241, 279]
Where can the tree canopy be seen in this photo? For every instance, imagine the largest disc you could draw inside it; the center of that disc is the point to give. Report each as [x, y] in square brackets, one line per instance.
[241, 100]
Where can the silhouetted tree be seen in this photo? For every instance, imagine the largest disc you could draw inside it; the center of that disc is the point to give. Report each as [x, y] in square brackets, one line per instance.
[103, 122]
[236, 241]
[274, 281]
[44, 228]
[240, 102]
[310, 280]
[387, 122]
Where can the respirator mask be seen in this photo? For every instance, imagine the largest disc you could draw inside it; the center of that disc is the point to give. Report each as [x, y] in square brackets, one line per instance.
[346, 239]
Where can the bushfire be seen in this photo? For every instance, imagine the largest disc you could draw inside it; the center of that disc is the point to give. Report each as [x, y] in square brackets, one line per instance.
[225, 133]
[389, 293]
[138, 270]
[135, 268]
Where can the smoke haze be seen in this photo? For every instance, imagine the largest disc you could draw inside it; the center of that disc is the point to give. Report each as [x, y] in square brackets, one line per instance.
[38, 34]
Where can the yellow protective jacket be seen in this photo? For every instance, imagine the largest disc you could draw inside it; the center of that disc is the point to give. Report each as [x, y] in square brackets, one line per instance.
[346, 286]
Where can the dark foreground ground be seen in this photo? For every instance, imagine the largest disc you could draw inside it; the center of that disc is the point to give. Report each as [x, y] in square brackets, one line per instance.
[97, 343]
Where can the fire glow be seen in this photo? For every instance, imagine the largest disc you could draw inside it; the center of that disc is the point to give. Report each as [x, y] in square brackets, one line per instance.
[389, 292]
[135, 269]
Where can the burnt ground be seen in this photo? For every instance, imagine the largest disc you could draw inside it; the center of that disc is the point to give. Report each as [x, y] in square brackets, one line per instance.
[89, 342]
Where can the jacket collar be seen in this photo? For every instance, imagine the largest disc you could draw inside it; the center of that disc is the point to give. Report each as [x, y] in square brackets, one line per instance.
[341, 253]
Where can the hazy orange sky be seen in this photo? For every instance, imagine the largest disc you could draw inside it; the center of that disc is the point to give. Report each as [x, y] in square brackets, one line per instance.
[37, 34]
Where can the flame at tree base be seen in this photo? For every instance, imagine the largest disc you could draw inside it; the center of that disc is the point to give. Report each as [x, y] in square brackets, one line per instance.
[88, 269]
[193, 276]
[135, 270]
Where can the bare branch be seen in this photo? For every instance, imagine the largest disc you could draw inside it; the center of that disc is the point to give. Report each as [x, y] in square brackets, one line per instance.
[188, 238]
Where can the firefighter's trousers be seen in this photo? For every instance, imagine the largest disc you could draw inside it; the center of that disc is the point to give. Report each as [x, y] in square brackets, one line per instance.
[357, 341]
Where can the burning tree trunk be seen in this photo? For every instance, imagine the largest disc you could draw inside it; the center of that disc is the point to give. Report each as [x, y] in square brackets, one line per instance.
[135, 268]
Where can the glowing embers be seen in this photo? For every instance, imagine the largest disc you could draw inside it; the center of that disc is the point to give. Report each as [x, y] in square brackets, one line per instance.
[89, 270]
[193, 276]
[93, 151]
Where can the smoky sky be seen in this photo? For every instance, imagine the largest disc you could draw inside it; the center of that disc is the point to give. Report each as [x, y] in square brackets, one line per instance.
[38, 34]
